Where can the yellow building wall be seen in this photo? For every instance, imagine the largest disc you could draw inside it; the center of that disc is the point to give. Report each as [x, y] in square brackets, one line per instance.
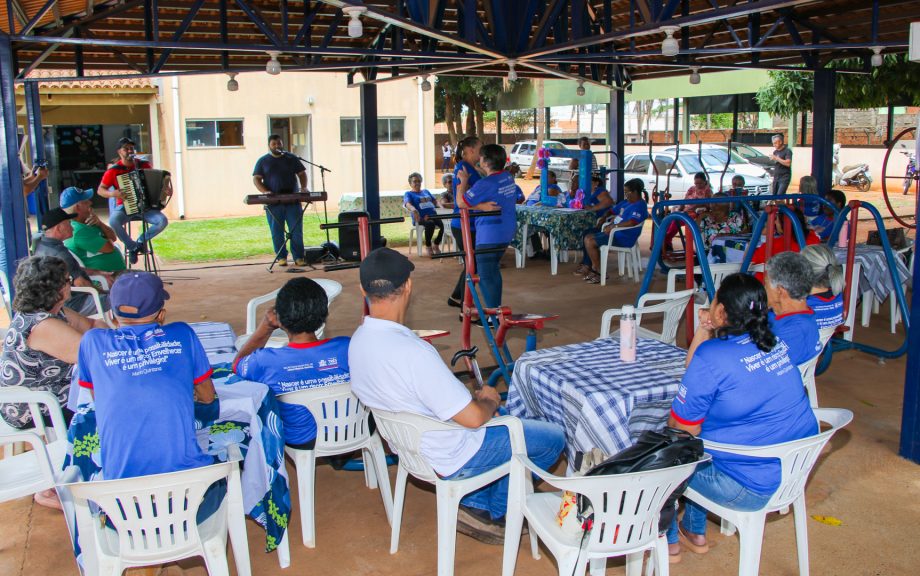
[215, 180]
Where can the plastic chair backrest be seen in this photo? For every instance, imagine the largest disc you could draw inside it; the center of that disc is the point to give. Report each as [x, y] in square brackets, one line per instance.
[718, 271]
[21, 395]
[672, 306]
[403, 431]
[331, 287]
[613, 232]
[797, 457]
[7, 294]
[341, 419]
[153, 516]
[626, 506]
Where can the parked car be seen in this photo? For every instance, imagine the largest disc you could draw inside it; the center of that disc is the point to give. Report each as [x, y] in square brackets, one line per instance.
[657, 173]
[522, 154]
[754, 156]
[713, 156]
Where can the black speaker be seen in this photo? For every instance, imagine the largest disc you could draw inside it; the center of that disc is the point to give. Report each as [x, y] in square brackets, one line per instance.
[349, 247]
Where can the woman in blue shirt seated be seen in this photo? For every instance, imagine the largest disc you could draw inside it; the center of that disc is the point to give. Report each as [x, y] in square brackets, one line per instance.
[826, 298]
[740, 388]
[824, 222]
[788, 282]
[552, 189]
[630, 212]
[598, 200]
[421, 204]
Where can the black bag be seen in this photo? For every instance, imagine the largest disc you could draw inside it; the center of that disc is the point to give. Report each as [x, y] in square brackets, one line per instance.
[653, 450]
[896, 238]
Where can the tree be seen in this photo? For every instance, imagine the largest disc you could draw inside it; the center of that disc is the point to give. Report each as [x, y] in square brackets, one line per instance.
[473, 95]
[787, 94]
[517, 121]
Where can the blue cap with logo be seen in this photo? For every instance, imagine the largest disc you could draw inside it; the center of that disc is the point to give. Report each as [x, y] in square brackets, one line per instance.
[72, 195]
[137, 295]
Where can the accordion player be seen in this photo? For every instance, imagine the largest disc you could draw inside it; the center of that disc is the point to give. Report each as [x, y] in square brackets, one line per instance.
[147, 189]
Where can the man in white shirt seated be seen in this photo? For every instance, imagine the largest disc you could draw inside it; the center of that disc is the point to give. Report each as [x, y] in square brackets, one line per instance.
[393, 369]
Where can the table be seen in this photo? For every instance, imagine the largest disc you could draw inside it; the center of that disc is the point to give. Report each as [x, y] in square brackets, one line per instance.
[875, 276]
[391, 202]
[729, 249]
[566, 226]
[599, 401]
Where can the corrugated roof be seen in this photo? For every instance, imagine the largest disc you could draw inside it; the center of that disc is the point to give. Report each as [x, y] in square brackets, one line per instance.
[99, 83]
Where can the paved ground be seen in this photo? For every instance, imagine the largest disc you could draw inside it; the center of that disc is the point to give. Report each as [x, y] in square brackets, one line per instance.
[860, 480]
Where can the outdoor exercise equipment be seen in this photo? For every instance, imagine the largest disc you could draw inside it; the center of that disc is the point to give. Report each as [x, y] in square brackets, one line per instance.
[584, 171]
[906, 182]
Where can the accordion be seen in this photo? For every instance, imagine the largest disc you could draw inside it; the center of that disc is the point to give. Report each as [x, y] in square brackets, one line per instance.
[144, 190]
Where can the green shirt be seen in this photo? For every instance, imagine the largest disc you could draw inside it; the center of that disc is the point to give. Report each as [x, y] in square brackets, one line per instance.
[86, 243]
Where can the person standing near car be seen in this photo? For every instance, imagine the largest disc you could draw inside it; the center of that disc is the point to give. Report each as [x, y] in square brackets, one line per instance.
[782, 172]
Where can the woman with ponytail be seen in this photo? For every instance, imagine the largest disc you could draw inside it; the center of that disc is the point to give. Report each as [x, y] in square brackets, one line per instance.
[740, 388]
[826, 298]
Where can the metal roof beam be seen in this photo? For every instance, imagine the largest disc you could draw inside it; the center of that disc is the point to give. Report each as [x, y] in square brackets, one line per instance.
[38, 16]
[164, 56]
[255, 16]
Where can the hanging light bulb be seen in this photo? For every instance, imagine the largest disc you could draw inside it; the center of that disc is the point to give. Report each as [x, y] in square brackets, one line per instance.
[694, 74]
[670, 46]
[512, 73]
[355, 28]
[232, 84]
[877, 59]
[580, 91]
[426, 85]
[273, 67]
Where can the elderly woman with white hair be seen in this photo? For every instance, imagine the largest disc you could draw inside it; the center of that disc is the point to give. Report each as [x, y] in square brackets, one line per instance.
[421, 206]
[788, 281]
[826, 298]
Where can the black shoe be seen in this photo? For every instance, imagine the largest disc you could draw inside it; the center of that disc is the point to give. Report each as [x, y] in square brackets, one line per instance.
[454, 303]
[479, 525]
[132, 256]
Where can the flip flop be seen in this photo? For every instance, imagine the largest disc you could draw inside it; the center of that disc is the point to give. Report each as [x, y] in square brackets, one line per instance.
[688, 544]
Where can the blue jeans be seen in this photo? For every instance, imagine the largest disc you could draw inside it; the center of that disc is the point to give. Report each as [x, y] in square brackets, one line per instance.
[721, 489]
[545, 442]
[490, 274]
[278, 216]
[118, 220]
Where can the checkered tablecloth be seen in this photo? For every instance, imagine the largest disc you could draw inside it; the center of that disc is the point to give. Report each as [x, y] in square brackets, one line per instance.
[875, 275]
[218, 339]
[599, 401]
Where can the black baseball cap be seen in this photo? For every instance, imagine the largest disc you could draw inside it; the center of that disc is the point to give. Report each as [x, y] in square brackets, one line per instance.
[54, 217]
[384, 264]
[122, 142]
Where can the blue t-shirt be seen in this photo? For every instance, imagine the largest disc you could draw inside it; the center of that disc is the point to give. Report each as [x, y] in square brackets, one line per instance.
[501, 189]
[822, 221]
[828, 309]
[744, 396]
[279, 174]
[474, 178]
[519, 198]
[298, 367]
[799, 331]
[423, 202]
[142, 378]
[624, 211]
[593, 199]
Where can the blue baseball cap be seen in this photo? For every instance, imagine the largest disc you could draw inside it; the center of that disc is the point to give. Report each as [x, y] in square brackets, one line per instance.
[137, 295]
[72, 195]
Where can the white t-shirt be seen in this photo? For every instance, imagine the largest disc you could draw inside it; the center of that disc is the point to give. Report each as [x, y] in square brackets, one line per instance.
[393, 369]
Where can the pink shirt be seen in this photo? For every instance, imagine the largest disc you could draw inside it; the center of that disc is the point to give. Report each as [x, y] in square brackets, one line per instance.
[693, 193]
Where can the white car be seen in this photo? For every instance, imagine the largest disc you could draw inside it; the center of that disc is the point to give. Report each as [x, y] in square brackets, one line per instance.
[658, 174]
[522, 154]
[713, 156]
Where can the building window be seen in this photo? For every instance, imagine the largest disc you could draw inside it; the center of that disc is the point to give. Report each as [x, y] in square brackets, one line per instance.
[389, 130]
[213, 133]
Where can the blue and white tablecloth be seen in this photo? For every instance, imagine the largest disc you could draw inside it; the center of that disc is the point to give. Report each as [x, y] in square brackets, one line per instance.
[567, 226]
[874, 274]
[598, 400]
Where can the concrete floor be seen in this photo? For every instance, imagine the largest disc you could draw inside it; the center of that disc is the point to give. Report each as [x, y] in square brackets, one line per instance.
[860, 480]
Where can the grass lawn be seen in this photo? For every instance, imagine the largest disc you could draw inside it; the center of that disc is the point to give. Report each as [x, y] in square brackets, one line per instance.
[236, 238]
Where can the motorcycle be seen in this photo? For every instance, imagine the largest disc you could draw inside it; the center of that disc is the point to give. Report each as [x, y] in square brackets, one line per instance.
[857, 175]
[910, 173]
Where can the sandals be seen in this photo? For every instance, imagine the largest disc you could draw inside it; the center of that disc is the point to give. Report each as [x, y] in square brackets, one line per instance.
[685, 541]
[582, 270]
[593, 277]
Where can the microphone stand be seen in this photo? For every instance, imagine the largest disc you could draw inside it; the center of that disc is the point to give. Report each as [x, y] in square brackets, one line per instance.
[327, 256]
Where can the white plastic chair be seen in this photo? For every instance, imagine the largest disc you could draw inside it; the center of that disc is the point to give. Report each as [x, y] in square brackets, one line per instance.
[626, 511]
[154, 519]
[797, 459]
[893, 302]
[341, 428]
[103, 283]
[29, 472]
[850, 321]
[97, 302]
[671, 306]
[807, 370]
[279, 338]
[7, 294]
[417, 231]
[403, 431]
[718, 271]
[630, 257]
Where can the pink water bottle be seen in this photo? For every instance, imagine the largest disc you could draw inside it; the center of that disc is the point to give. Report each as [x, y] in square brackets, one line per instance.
[844, 237]
[628, 334]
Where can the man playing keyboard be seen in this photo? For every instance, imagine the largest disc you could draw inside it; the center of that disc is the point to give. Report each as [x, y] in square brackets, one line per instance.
[118, 219]
[280, 173]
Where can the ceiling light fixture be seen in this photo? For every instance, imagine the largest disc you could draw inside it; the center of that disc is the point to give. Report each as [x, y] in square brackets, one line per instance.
[580, 91]
[694, 74]
[670, 46]
[877, 59]
[355, 27]
[426, 85]
[273, 67]
[232, 84]
[512, 73]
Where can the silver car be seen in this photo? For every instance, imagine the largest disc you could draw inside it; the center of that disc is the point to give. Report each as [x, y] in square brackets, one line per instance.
[713, 156]
[661, 172]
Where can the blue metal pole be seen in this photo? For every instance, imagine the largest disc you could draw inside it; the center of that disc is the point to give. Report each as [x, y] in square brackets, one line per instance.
[823, 127]
[37, 144]
[616, 125]
[12, 202]
[910, 415]
[370, 162]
